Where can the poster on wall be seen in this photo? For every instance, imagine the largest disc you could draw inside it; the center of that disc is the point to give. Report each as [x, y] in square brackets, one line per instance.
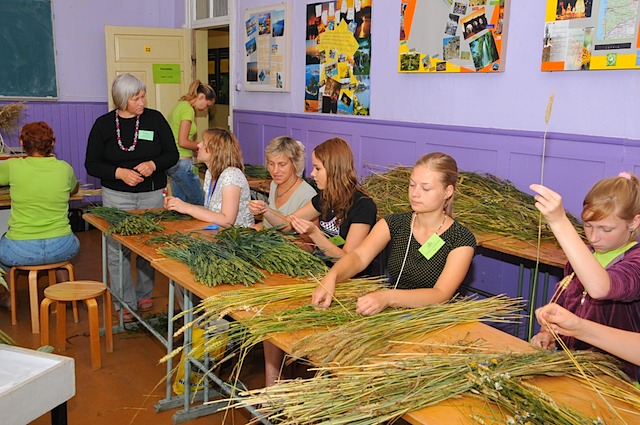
[453, 35]
[267, 48]
[338, 57]
[583, 35]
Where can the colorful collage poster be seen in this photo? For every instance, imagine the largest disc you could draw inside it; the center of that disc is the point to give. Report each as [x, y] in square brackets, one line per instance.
[338, 57]
[267, 49]
[582, 35]
[453, 35]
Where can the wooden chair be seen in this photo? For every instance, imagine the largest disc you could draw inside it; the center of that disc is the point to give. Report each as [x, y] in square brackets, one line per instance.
[81, 290]
[33, 289]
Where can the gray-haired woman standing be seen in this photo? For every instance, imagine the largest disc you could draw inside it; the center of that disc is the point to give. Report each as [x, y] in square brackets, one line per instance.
[129, 149]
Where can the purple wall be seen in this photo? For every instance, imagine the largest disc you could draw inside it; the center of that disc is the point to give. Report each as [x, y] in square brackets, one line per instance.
[573, 163]
[71, 123]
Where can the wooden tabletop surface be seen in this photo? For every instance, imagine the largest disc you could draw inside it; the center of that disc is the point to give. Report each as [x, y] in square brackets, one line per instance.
[5, 198]
[550, 253]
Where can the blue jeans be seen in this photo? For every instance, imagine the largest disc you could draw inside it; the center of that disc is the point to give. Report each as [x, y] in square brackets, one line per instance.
[130, 293]
[185, 184]
[38, 251]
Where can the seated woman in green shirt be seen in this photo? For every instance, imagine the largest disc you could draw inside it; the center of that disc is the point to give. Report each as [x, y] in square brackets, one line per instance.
[40, 187]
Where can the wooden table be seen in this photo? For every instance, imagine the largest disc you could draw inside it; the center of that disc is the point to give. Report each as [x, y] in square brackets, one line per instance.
[456, 411]
[5, 198]
[260, 185]
[550, 253]
[452, 411]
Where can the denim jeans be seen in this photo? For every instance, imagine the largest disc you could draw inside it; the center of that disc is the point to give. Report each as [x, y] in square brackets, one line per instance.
[185, 184]
[130, 293]
[38, 251]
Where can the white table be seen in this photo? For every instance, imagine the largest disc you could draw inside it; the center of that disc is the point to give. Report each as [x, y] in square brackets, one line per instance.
[33, 383]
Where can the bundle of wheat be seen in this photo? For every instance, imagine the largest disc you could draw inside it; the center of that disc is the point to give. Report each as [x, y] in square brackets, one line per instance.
[381, 390]
[127, 223]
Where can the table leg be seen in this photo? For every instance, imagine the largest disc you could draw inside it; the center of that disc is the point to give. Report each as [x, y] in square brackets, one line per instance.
[170, 308]
[59, 414]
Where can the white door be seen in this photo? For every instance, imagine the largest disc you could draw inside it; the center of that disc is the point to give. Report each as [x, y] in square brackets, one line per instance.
[135, 50]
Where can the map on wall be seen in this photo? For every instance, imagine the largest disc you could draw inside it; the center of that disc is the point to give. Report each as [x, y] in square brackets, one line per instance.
[453, 35]
[267, 48]
[581, 35]
[338, 57]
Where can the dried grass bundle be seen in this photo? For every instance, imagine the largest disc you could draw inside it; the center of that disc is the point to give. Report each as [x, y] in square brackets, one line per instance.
[274, 309]
[127, 223]
[210, 263]
[6, 339]
[368, 336]
[483, 202]
[270, 250]
[10, 114]
[256, 171]
[286, 309]
[382, 390]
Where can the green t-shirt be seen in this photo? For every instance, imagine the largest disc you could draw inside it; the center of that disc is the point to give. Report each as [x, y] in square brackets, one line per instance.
[183, 112]
[39, 189]
[604, 258]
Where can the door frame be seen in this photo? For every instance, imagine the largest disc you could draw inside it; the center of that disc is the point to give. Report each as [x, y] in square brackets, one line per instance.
[201, 55]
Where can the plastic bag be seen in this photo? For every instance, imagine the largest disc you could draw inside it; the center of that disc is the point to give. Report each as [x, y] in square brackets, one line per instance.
[218, 336]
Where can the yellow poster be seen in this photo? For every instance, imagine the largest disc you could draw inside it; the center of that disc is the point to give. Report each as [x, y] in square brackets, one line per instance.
[338, 57]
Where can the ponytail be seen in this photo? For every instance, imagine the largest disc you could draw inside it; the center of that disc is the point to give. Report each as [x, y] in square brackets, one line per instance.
[198, 87]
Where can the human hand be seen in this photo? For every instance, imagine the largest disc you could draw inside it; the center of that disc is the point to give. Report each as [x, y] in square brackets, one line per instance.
[558, 319]
[172, 203]
[129, 176]
[302, 226]
[543, 339]
[146, 168]
[548, 202]
[372, 303]
[323, 293]
[258, 207]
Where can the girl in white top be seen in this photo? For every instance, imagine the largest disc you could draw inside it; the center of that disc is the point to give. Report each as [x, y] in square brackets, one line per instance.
[226, 190]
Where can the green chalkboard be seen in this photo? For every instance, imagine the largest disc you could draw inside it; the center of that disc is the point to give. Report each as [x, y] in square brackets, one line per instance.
[27, 54]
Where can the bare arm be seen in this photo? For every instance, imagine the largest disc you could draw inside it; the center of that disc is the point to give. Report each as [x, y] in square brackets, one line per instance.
[592, 275]
[183, 136]
[352, 263]
[455, 269]
[620, 343]
[225, 218]
[276, 218]
[355, 236]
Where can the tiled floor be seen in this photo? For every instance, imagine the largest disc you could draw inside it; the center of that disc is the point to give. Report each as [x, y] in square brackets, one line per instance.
[131, 381]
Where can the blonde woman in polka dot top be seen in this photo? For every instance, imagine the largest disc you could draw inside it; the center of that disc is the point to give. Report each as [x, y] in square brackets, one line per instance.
[430, 251]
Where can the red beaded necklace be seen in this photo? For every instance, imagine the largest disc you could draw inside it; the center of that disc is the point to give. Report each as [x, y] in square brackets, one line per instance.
[135, 135]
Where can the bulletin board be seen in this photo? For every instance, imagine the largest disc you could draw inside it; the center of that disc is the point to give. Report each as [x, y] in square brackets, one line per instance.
[453, 35]
[267, 48]
[27, 52]
[338, 57]
[583, 35]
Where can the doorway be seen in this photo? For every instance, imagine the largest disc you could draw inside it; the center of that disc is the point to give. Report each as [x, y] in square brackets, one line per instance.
[218, 67]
